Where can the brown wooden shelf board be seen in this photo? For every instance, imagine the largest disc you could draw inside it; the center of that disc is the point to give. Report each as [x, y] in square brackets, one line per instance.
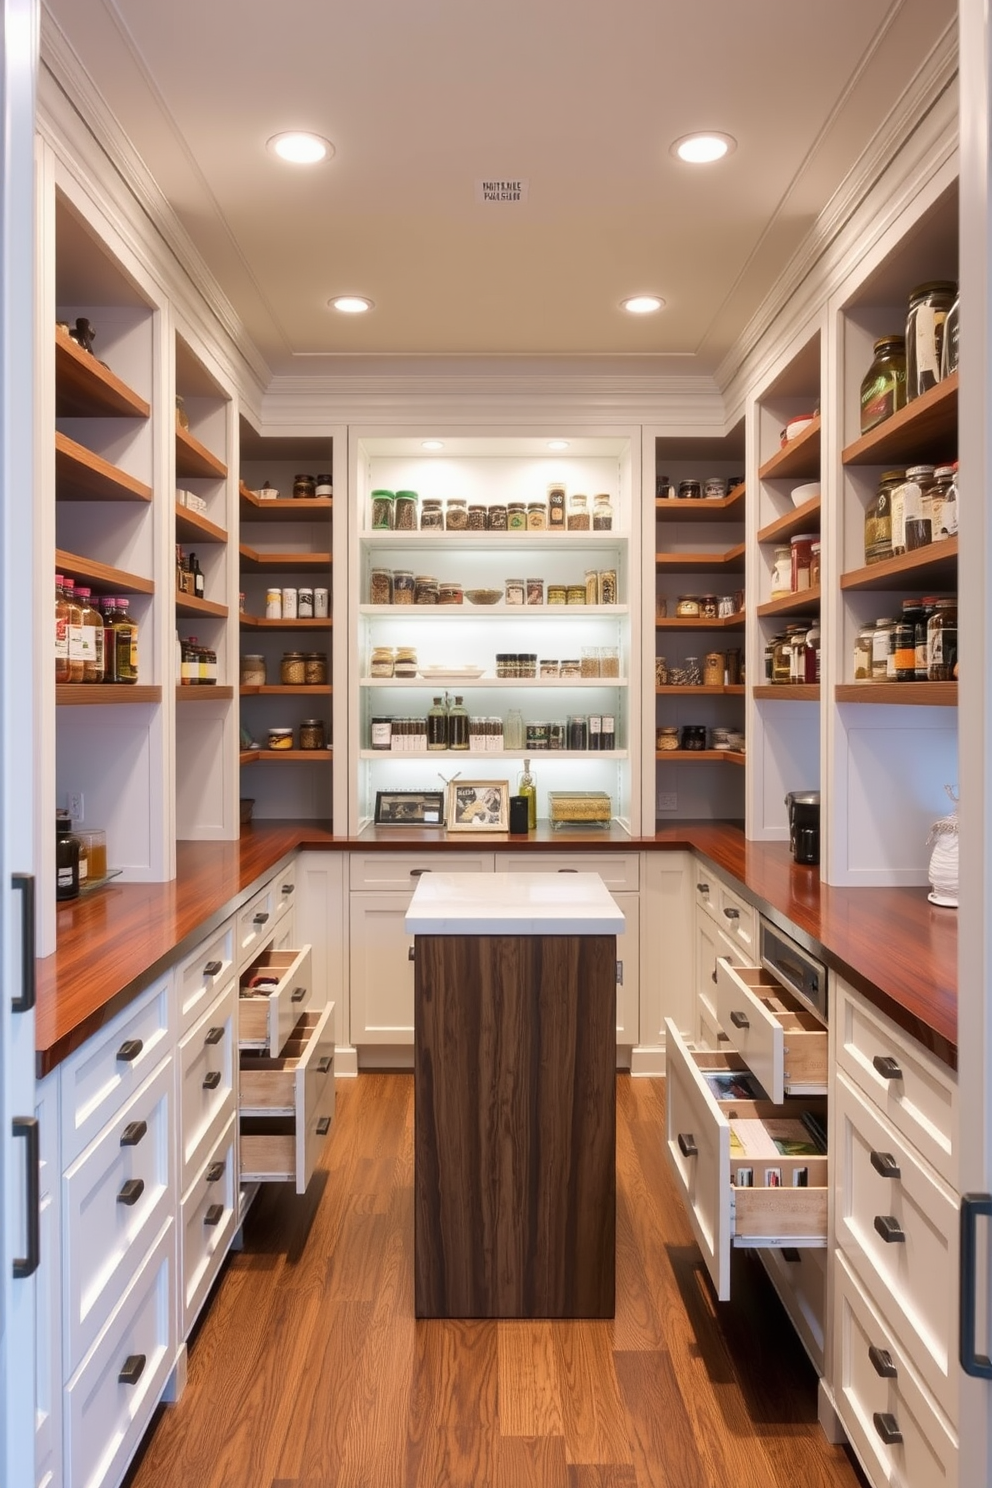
[800, 519]
[100, 576]
[281, 562]
[254, 622]
[731, 561]
[294, 689]
[189, 606]
[805, 602]
[800, 457]
[732, 622]
[204, 694]
[735, 689]
[935, 566]
[926, 429]
[694, 756]
[80, 475]
[310, 755]
[284, 508]
[913, 694]
[248, 756]
[796, 692]
[193, 528]
[85, 388]
[193, 458]
[668, 690]
[729, 508]
[74, 694]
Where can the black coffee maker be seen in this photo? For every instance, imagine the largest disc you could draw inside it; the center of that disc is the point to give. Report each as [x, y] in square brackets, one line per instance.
[804, 825]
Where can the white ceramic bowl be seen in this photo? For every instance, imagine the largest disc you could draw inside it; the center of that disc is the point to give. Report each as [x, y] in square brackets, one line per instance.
[802, 494]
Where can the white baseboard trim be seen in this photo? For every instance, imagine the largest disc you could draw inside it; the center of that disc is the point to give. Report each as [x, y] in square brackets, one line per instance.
[647, 1059]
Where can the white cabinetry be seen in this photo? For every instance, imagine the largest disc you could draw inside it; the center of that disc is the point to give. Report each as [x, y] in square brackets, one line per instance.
[666, 980]
[48, 1293]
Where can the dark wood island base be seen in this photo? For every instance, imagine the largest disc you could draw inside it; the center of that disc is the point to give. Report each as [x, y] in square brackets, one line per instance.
[515, 1126]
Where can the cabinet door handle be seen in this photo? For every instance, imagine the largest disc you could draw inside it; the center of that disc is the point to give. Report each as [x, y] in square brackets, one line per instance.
[887, 1427]
[323, 1126]
[887, 1067]
[131, 1192]
[973, 1205]
[885, 1164]
[687, 1144]
[410, 956]
[568, 870]
[27, 1127]
[619, 973]
[418, 872]
[134, 1368]
[881, 1362]
[211, 1080]
[740, 1020]
[214, 1172]
[298, 994]
[129, 1050]
[288, 888]
[261, 918]
[214, 1036]
[133, 1133]
[732, 914]
[713, 973]
[889, 1228]
[212, 968]
[702, 888]
[214, 1214]
[23, 883]
[792, 1255]
[323, 1065]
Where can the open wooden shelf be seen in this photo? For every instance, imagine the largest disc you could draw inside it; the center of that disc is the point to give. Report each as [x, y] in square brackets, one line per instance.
[731, 561]
[310, 755]
[794, 521]
[913, 694]
[253, 622]
[729, 508]
[804, 602]
[932, 567]
[668, 690]
[85, 388]
[794, 692]
[281, 562]
[193, 458]
[80, 475]
[199, 692]
[800, 457]
[730, 756]
[283, 509]
[732, 622]
[189, 606]
[191, 527]
[100, 576]
[248, 756]
[294, 689]
[925, 430]
[76, 694]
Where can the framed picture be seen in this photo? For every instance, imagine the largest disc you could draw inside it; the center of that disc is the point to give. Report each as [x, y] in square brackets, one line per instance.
[479, 806]
[409, 808]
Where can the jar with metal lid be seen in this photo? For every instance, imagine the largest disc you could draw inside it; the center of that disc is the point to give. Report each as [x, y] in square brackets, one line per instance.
[929, 305]
[314, 669]
[713, 668]
[478, 518]
[381, 586]
[450, 594]
[323, 484]
[694, 737]
[549, 668]
[381, 662]
[575, 594]
[431, 515]
[537, 516]
[883, 391]
[292, 671]
[253, 670]
[883, 656]
[304, 486]
[878, 518]
[782, 571]
[929, 604]
[708, 607]
[917, 492]
[516, 516]
[456, 514]
[280, 738]
[304, 602]
[797, 659]
[514, 591]
[607, 586]
[904, 642]
[425, 590]
[557, 594]
[950, 349]
[942, 642]
[535, 591]
[801, 557]
[405, 663]
[863, 642]
[404, 586]
[570, 668]
[578, 731]
[943, 481]
[782, 658]
[687, 607]
[812, 655]
[496, 518]
[382, 730]
[556, 505]
[383, 510]
[558, 734]
[536, 736]
[667, 738]
[578, 513]
[714, 488]
[312, 734]
[602, 513]
[527, 664]
[405, 510]
[690, 490]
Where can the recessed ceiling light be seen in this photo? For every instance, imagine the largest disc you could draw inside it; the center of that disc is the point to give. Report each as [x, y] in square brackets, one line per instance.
[703, 149]
[351, 304]
[432, 444]
[557, 444]
[642, 304]
[299, 148]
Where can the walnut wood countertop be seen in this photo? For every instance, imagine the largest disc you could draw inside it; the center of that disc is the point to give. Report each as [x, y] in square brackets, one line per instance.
[891, 944]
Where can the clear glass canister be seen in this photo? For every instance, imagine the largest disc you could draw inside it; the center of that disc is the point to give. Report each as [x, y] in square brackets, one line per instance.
[578, 513]
[456, 515]
[883, 655]
[929, 305]
[405, 509]
[425, 591]
[917, 492]
[253, 671]
[943, 480]
[312, 734]
[713, 668]
[383, 510]
[292, 669]
[404, 586]
[304, 486]
[516, 516]
[431, 515]
[905, 640]
[801, 559]
[381, 586]
[314, 669]
[478, 518]
[537, 516]
[782, 571]
[381, 662]
[602, 513]
[883, 391]
[575, 594]
[496, 518]
[556, 505]
[942, 642]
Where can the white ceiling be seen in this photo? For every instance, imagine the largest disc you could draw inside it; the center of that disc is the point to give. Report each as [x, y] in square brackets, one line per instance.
[422, 100]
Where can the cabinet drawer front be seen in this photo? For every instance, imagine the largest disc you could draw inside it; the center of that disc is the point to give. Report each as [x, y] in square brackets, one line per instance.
[111, 1066]
[914, 1279]
[619, 871]
[284, 891]
[712, 946]
[736, 919]
[209, 1219]
[266, 1020]
[201, 976]
[255, 923]
[921, 1097]
[105, 1417]
[115, 1199]
[287, 1106]
[928, 1453]
[401, 870]
[207, 1095]
[702, 1177]
[784, 1046]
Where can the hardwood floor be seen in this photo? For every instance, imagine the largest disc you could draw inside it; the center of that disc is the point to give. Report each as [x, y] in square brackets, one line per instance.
[309, 1369]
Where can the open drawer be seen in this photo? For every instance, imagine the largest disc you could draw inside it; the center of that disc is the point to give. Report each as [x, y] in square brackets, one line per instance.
[751, 1172]
[269, 1011]
[287, 1104]
[783, 1044]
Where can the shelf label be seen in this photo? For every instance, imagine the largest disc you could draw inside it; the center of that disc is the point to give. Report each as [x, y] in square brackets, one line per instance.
[501, 193]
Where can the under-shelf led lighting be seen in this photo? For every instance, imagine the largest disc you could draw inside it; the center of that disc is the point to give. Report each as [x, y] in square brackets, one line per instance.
[351, 304]
[557, 444]
[642, 304]
[432, 444]
[703, 149]
[299, 148]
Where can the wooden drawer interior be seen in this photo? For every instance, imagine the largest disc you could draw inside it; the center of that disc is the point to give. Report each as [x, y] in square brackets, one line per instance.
[782, 1042]
[268, 1084]
[255, 1005]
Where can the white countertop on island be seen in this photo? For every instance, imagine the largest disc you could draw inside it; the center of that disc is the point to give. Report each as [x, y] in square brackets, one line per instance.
[513, 904]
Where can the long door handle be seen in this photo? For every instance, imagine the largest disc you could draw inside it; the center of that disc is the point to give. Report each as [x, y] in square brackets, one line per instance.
[27, 1127]
[973, 1205]
[24, 1001]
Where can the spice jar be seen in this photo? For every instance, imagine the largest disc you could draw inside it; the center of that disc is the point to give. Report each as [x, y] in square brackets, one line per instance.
[667, 738]
[314, 669]
[382, 729]
[883, 390]
[602, 513]
[292, 670]
[548, 668]
[431, 515]
[862, 652]
[425, 590]
[514, 591]
[449, 594]
[570, 668]
[578, 513]
[556, 505]
[557, 594]
[381, 586]
[253, 671]
[609, 661]
[404, 587]
[304, 486]
[883, 657]
[801, 556]
[878, 518]
[708, 607]
[814, 563]
[312, 734]
[575, 594]
[690, 490]
[917, 508]
[273, 604]
[535, 591]
[381, 662]
[383, 510]
[456, 515]
[687, 607]
[478, 518]
[943, 480]
[537, 516]
[405, 511]
[280, 738]
[782, 572]
[942, 642]
[304, 603]
[928, 308]
[516, 516]
[713, 668]
[607, 586]
[323, 485]
[592, 586]
[496, 518]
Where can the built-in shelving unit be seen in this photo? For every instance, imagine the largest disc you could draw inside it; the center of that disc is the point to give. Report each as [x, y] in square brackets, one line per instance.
[205, 693]
[83, 475]
[902, 694]
[85, 388]
[104, 694]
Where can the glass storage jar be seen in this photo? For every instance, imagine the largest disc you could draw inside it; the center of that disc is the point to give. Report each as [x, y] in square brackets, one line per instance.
[450, 594]
[280, 738]
[405, 510]
[312, 734]
[557, 594]
[801, 548]
[713, 668]
[304, 486]
[456, 515]
[425, 591]
[253, 671]
[708, 609]
[578, 513]
[516, 516]
[942, 642]
[496, 518]
[883, 656]
[667, 738]
[535, 591]
[381, 662]
[917, 491]
[514, 591]
[687, 607]
[878, 517]
[537, 516]
[602, 513]
[404, 586]
[862, 652]
[929, 305]
[943, 480]
[323, 484]
[575, 594]
[883, 390]
[478, 518]
[381, 586]
[690, 490]
[431, 515]
[292, 669]
[383, 510]
[556, 505]
[314, 669]
[405, 663]
[782, 571]
[905, 640]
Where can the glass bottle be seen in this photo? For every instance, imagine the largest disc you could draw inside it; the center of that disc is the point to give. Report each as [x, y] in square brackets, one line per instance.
[927, 605]
[862, 652]
[883, 391]
[125, 642]
[883, 663]
[513, 731]
[197, 572]
[602, 513]
[918, 507]
[458, 726]
[526, 786]
[92, 637]
[943, 479]
[811, 656]
[905, 640]
[942, 642]
[76, 659]
[782, 571]
[108, 608]
[61, 631]
[929, 305]
[66, 858]
[878, 518]
[437, 726]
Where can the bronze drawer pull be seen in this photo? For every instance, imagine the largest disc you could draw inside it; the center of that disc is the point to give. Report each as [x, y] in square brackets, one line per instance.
[133, 1133]
[27, 1127]
[410, 955]
[131, 1192]
[418, 872]
[211, 1080]
[288, 888]
[261, 918]
[323, 1065]
[568, 870]
[732, 914]
[885, 1164]
[887, 1068]
[298, 994]
[214, 1036]
[740, 1020]
[888, 1227]
[134, 1368]
[687, 1145]
[881, 1362]
[212, 968]
[215, 1171]
[129, 1050]
[887, 1427]
[323, 1126]
[214, 1214]
[702, 888]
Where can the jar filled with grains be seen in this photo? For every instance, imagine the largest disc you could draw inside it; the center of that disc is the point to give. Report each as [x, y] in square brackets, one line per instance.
[602, 513]
[292, 671]
[431, 515]
[425, 590]
[609, 661]
[312, 734]
[405, 664]
[314, 669]
[516, 516]
[496, 521]
[381, 663]
[478, 518]
[383, 510]
[406, 511]
[381, 586]
[403, 586]
[456, 515]
[557, 594]
[578, 513]
[253, 671]
[537, 516]
[304, 486]
[575, 594]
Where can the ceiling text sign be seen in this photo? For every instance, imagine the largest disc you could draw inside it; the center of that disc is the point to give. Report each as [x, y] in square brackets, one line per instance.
[501, 193]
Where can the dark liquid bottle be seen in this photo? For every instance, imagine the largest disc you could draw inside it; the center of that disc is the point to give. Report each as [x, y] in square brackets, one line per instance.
[66, 860]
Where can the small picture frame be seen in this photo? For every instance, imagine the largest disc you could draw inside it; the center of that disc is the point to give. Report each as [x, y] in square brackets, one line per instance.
[479, 806]
[409, 808]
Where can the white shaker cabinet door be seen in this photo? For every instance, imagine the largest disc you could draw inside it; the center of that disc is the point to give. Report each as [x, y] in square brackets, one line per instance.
[381, 970]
